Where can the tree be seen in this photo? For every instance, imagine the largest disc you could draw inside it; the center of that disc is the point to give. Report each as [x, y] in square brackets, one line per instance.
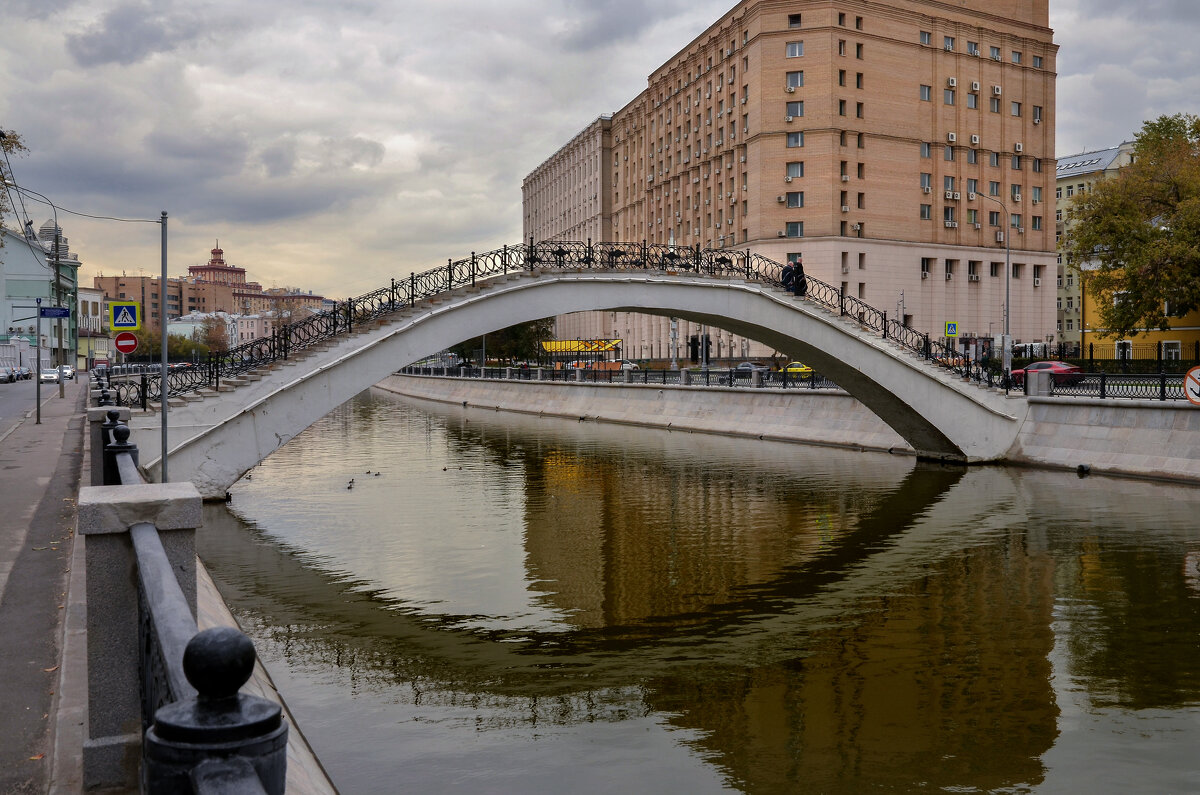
[10, 143]
[214, 336]
[1135, 239]
[522, 341]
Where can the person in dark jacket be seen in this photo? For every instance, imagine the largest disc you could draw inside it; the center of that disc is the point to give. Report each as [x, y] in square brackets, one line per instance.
[799, 280]
[788, 277]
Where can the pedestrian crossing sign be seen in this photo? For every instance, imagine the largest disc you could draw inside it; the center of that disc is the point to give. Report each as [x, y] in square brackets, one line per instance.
[124, 315]
[951, 328]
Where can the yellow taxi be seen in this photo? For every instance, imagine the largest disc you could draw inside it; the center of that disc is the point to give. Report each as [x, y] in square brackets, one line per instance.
[798, 370]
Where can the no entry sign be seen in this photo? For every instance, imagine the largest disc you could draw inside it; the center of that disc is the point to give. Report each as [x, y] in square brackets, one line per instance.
[126, 342]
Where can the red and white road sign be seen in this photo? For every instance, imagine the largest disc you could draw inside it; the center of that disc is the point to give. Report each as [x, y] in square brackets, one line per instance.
[125, 342]
[1191, 386]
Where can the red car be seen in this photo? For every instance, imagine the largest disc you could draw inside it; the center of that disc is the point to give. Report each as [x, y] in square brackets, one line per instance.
[1064, 373]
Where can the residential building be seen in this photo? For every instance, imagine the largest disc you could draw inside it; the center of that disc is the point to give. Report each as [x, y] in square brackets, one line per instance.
[94, 345]
[903, 151]
[1075, 176]
[30, 270]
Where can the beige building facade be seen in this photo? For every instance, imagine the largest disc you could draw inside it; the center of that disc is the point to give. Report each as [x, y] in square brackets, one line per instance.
[897, 149]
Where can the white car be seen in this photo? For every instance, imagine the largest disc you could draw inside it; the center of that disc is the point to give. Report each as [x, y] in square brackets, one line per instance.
[68, 372]
[49, 375]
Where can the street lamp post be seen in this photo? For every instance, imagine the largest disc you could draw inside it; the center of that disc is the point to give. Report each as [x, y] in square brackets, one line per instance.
[57, 287]
[1006, 340]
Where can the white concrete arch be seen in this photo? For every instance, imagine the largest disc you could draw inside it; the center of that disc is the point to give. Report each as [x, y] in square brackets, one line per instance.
[214, 441]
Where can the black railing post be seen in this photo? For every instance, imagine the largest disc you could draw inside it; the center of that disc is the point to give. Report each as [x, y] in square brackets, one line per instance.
[412, 289]
[1091, 355]
[504, 259]
[589, 255]
[145, 388]
[531, 256]
[1162, 384]
[885, 324]
[392, 296]
[220, 740]
[120, 444]
[472, 268]
[349, 315]
[1103, 385]
[449, 274]
[927, 349]
[842, 308]
[1158, 349]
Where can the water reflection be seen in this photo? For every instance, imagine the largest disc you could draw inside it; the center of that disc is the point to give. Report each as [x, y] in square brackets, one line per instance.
[765, 617]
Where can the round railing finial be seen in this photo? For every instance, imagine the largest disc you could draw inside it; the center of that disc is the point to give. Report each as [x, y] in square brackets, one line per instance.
[218, 661]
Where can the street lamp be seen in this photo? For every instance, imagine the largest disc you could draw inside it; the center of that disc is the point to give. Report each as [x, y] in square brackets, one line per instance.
[1006, 341]
[162, 312]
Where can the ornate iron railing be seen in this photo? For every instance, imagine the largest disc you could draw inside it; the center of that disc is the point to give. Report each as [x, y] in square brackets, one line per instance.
[351, 315]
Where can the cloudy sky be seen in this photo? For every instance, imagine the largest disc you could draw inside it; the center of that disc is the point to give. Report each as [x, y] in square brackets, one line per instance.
[331, 145]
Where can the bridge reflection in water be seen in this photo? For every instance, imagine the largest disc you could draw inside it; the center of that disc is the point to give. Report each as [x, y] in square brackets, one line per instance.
[516, 603]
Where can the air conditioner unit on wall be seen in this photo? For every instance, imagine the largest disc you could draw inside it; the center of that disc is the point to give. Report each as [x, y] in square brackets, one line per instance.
[1019, 147]
[996, 91]
[845, 177]
[974, 85]
[791, 89]
[975, 140]
[974, 277]
[924, 274]
[949, 275]
[1037, 282]
[951, 82]
[951, 137]
[926, 189]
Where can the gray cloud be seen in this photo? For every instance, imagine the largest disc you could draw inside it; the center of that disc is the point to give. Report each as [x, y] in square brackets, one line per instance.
[295, 132]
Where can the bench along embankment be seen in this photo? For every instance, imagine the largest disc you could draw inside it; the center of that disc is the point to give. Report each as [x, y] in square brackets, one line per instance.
[1140, 438]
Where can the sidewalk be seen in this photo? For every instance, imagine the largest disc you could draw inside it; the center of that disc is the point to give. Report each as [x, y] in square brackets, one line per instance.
[39, 477]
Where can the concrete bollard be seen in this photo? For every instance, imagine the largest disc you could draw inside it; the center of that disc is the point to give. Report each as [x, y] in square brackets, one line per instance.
[755, 378]
[579, 375]
[102, 421]
[1041, 384]
[685, 377]
[627, 376]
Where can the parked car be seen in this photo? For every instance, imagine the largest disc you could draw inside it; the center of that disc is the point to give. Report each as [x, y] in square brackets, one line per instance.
[24, 374]
[752, 366]
[1064, 374]
[798, 370]
[628, 365]
[68, 372]
[7, 374]
[49, 375]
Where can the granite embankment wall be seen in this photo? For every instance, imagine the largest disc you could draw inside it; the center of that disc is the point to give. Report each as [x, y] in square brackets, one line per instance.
[1138, 438]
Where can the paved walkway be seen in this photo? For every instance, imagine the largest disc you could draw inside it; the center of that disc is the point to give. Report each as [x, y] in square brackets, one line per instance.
[39, 478]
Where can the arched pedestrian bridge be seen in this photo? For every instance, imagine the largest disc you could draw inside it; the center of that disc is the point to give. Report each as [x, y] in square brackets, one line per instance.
[287, 382]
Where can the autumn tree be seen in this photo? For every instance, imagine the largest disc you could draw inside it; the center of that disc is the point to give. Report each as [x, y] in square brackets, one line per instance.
[214, 336]
[1135, 239]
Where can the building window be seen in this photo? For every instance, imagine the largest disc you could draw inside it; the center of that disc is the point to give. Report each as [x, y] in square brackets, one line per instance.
[972, 156]
[972, 185]
[841, 46]
[795, 198]
[1037, 62]
[948, 43]
[795, 229]
[858, 80]
[1016, 56]
[862, 167]
[841, 19]
[841, 107]
[926, 180]
[795, 109]
[972, 48]
[972, 216]
[858, 23]
[1016, 162]
[948, 214]
[1014, 221]
[1037, 114]
[948, 183]
[858, 51]
[795, 49]
[858, 110]
[795, 139]
[1015, 192]
[994, 159]
[926, 264]
[948, 153]
[948, 96]
[994, 218]
[926, 93]
[1037, 166]
[926, 37]
[841, 77]
[926, 212]
[1070, 191]
[973, 101]
[795, 79]
[995, 53]
[862, 140]
[1016, 108]
[926, 150]
[794, 20]
[994, 104]
[1036, 222]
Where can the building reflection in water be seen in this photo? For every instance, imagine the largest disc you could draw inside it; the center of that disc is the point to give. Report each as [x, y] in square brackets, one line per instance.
[808, 618]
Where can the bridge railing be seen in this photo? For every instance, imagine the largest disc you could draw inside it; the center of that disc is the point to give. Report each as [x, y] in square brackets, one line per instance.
[164, 708]
[349, 316]
[711, 377]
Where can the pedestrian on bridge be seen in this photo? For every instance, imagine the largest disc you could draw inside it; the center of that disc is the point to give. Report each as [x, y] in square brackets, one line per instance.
[787, 276]
[799, 279]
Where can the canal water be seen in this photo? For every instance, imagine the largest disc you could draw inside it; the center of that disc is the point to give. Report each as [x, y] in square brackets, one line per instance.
[456, 600]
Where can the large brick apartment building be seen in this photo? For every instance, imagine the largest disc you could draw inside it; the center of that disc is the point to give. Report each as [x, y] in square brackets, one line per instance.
[897, 146]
